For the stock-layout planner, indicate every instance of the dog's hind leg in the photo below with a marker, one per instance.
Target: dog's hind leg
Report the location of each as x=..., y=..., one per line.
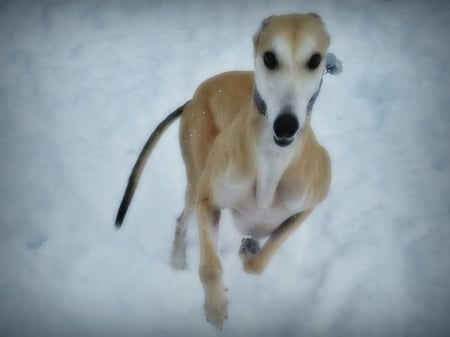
x=196, y=132
x=178, y=260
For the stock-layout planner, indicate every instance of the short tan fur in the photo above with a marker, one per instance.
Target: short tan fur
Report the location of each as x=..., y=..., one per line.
x=265, y=166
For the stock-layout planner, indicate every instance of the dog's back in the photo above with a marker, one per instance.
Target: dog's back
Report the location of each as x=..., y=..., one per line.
x=220, y=98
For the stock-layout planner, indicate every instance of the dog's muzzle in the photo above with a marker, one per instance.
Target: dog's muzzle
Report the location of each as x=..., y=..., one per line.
x=284, y=129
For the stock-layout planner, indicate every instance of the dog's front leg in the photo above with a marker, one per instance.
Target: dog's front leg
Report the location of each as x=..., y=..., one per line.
x=254, y=262
x=216, y=304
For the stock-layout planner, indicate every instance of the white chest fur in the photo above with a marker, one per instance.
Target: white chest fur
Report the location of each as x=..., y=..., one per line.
x=259, y=202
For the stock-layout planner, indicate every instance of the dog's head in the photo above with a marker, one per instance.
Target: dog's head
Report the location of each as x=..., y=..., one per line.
x=290, y=55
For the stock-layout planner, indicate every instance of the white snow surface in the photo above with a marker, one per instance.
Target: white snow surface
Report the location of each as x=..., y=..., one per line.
x=83, y=84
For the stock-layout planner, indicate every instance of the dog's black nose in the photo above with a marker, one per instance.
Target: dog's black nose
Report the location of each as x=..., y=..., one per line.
x=285, y=126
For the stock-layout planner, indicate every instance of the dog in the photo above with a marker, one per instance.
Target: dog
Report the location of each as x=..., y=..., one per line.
x=248, y=146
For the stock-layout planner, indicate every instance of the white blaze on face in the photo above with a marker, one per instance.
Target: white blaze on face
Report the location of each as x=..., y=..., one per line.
x=291, y=84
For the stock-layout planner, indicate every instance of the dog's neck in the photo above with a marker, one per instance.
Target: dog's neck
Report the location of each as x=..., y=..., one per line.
x=271, y=161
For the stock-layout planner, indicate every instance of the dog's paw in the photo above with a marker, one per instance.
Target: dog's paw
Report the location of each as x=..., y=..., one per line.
x=178, y=258
x=249, y=247
x=252, y=261
x=178, y=262
x=216, y=309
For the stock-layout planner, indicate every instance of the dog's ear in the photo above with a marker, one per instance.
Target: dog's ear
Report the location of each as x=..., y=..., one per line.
x=263, y=25
x=317, y=16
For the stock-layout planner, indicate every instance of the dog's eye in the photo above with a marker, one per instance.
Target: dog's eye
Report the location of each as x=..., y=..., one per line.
x=314, y=61
x=270, y=60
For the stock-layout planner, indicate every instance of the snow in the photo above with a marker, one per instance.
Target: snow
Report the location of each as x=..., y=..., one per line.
x=82, y=85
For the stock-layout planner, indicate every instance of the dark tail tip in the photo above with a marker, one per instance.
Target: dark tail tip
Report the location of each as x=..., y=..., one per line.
x=120, y=216
x=124, y=204
x=119, y=220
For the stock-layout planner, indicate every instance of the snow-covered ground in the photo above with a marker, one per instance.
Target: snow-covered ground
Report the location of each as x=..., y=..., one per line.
x=82, y=85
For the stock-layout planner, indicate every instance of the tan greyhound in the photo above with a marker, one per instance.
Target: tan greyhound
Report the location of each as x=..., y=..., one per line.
x=248, y=146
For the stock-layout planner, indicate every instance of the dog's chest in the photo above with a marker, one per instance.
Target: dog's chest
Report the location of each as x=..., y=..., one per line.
x=251, y=218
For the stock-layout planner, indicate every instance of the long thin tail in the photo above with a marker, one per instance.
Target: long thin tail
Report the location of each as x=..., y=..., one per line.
x=133, y=180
